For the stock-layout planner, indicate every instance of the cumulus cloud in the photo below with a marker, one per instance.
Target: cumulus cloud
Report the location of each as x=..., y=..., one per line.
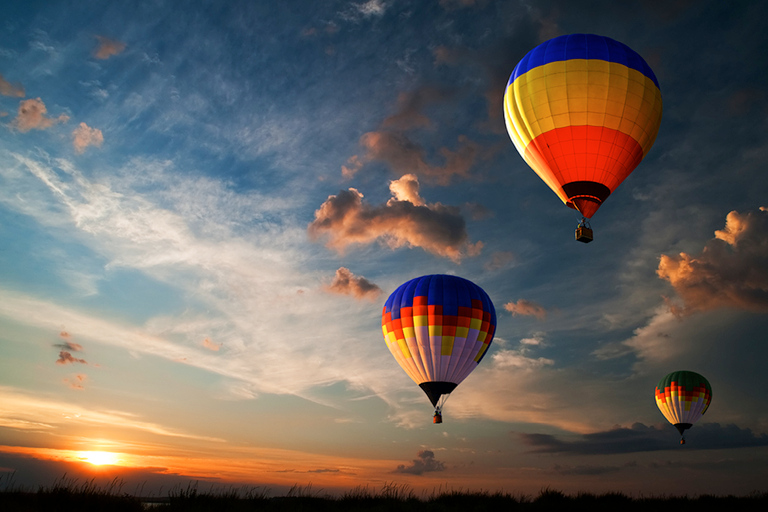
x=32, y=116
x=731, y=271
x=424, y=464
x=66, y=357
x=107, y=48
x=347, y=283
x=526, y=308
x=406, y=189
x=344, y=219
x=9, y=89
x=642, y=438
x=84, y=136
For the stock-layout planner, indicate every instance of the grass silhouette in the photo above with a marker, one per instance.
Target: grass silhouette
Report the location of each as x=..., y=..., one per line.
x=70, y=495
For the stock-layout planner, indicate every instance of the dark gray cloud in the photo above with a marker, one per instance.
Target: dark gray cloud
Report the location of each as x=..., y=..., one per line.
x=424, y=464
x=642, y=438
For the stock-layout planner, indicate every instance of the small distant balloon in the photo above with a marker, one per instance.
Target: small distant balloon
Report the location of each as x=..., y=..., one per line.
x=683, y=397
x=438, y=328
x=582, y=110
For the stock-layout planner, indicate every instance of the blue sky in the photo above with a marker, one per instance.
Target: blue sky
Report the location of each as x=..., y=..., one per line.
x=178, y=285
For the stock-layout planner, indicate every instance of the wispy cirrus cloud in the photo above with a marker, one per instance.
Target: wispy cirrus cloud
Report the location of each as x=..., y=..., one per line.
x=345, y=220
x=32, y=115
x=21, y=408
x=252, y=283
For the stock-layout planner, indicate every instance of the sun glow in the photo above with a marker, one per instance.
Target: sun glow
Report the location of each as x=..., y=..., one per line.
x=99, y=458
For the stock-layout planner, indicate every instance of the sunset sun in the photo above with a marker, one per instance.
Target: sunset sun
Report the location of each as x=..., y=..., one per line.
x=99, y=458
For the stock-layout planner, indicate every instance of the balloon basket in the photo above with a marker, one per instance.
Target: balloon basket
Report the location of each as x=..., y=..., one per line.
x=584, y=234
x=437, y=418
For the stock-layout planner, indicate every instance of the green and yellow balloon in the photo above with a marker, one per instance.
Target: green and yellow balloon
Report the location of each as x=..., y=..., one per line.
x=683, y=397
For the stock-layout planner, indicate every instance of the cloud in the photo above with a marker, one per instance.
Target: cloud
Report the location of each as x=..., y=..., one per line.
x=403, y=155
x=346, y=220
x=107, y=48
x=68, y=345
x=424, y=464
x=32, y=116
x=406, y=189
x=411, y=105
x=347, y=283
x=526, y=308
x=76, y=382
x=67, y=358
x=9, y=89
x=390, y=143
x=84, y=136
x=207, y=343
x=642, y=438
x=371, y=8
x=731, y=271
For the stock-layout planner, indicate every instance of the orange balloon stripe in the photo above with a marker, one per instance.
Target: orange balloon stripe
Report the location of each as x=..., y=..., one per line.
x=583, y=153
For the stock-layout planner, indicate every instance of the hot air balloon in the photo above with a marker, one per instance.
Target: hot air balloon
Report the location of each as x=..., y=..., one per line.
x=683, y=397
x=438, y=328
x=583, y=110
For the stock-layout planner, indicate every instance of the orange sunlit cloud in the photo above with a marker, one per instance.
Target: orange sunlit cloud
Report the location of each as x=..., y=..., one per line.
x=346, y=220
x=9, y=89
x=32, y=116
x=84, y=136
x=731, y=271
x=526, y=308
x=347, y=283
x=107, y=48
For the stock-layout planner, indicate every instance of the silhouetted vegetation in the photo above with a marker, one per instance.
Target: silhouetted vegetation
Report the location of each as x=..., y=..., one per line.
x=68, y=495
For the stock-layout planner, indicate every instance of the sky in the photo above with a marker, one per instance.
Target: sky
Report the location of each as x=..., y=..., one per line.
x=203, y=209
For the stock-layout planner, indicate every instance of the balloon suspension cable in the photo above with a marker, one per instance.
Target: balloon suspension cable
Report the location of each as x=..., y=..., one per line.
x=584, y=223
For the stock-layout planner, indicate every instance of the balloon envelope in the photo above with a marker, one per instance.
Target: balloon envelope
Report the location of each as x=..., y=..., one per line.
x=438, y=328
x=683, y=397
x=583, y=110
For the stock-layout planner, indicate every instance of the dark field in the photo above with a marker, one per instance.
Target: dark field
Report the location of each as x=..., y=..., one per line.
x=86, y=498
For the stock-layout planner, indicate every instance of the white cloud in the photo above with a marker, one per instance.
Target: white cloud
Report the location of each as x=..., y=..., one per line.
x=236, y=259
